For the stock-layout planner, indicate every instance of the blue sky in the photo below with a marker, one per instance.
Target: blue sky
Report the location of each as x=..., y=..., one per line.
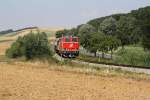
x=60, y=13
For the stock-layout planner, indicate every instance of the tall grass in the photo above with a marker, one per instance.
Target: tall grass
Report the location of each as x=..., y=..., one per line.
x=133, y=56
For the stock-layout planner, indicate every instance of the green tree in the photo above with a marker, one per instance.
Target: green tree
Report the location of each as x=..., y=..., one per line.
x=104, y=43
x=125, y=28
x=108, y=26
x=97, y=42
x=61, y=33
x=112, y=43
x=85, y=33
x=30, y=46
x=143, y=15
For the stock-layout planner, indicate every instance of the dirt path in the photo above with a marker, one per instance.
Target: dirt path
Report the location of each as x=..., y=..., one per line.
x=23, y=82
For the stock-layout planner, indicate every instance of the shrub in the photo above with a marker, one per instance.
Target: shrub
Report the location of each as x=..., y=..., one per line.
x=30, y=46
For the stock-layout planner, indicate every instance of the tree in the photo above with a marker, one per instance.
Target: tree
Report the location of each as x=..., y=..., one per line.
x=143, y=15
x=73, y=32
x=85, y=33
x=30, y=46
x=108, y=26
x=61, y=32
x=113, y=43
x=104, y=43
x=67, y=32
x=125, y=28
x=97, y=42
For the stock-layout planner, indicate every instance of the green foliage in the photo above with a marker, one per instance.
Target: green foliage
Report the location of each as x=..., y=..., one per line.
x=86, y=35
x=61, y=33
x=108, y=26
x=6, y=32
x=105, y=34
x=96, y=22
x=65, y=32
x=133, y=56
x=104, y=43
x=30, y=46
x=125, y=28
x=143, y=15
x=94, y=59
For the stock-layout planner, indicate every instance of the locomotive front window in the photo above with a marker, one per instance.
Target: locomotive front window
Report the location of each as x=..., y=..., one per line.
x=67, y=39
x=74, y=40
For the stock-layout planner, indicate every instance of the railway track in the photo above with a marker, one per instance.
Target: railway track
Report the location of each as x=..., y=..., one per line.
x=130, y=68
x=122, y=65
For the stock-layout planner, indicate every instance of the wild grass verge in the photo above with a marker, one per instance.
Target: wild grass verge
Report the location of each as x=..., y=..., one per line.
x=68, y=66
x=133, y=56
x=102, y=71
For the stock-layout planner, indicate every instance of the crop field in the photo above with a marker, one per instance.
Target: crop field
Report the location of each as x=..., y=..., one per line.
x=47, y=81
x=13, y=36
x=37, y=81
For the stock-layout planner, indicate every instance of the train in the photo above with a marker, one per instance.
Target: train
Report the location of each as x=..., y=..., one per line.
x=67, y=46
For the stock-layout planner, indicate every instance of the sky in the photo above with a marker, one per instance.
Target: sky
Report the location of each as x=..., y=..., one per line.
x=15, y=14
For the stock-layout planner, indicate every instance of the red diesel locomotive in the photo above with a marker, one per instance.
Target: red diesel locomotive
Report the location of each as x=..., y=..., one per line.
x=67, y=46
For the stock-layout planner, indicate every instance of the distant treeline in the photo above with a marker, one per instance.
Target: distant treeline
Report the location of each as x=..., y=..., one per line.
x=26, y=28
x=11, y=30
x=107, y=33
x=6, y=31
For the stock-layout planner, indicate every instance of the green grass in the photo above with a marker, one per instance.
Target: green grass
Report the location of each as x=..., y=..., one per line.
x=132, y=55
x=94, y=59
x=103, y=71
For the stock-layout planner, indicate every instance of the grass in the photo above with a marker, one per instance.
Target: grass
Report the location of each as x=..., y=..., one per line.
x=69, y=66
x=79, y=68
x=9, y=40
x=132, y=55
x=11, y=34
x=94, y=59
x=101, y=70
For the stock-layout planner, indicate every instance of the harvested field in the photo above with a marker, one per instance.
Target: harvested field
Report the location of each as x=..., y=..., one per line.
x=35, y=81
x=4, y=46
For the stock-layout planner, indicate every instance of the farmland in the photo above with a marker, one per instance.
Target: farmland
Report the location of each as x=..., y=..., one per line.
x=50, y=81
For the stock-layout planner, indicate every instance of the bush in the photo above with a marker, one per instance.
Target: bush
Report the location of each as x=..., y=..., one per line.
x=30, y=46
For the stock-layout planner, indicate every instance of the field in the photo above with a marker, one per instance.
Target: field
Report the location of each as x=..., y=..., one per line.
x=43, y=81
x=13, y=36
x=37, y=81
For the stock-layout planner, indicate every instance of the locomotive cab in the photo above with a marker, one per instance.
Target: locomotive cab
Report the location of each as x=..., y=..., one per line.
x=67, y=46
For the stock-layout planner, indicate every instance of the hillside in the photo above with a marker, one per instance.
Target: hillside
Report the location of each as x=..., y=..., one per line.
x=15, y=34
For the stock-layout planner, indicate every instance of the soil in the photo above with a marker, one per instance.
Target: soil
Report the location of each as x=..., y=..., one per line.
x=38, y=82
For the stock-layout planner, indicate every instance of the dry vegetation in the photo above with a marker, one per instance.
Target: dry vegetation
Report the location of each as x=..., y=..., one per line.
x=3, y=47
x=38, y=81
x=43, y=81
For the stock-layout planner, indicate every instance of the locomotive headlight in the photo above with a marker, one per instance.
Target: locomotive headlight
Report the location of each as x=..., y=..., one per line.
x=71, y=45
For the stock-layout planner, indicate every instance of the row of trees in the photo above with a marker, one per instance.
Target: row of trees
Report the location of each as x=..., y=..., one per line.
x=108, y=33
x=94, y=41
x=6, y=31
